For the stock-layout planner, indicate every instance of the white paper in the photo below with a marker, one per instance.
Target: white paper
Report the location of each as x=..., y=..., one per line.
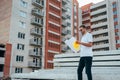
x=71, y=43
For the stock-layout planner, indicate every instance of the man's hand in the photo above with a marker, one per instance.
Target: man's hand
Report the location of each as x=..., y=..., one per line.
x=85, y=44
x=77, y=42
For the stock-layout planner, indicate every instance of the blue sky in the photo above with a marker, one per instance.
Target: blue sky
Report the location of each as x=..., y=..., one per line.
x=83, y=2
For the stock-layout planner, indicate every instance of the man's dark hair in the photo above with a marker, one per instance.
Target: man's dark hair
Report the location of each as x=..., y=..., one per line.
x=83, y=26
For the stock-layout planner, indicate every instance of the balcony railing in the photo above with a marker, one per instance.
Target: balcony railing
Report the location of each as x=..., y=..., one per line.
x=64, y=15
x=34, y=32
x=34, y=64
x=101, y=46
x=101, y=38
x=64, y=23
x=85, y=19
x=64, y=8
x=64, y=49
x=1, y=74
x=2, y=60
x=35, y=54
x=99, y=24
x=100, y=31
x=36, y=22
x=37, y=12
x=99, y=11
x=99, y=18
x=63, y=40
x=35, y=43
x=38, y=4
x=64, y=2
x=64, y=32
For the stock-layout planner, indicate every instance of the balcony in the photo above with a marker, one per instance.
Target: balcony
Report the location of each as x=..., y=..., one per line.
x=98, y=11
x=38, y=3
x=88, y=24
x=1, y=75
x=64, y=23
x=34, y=21
x=54, y=5
x=64, y=2
x=85, y=19
x=100, y=38
x=103, y=3
x=35, y=43
x=99, y=18
x=64, y=32
x=101, y=46
x=64, y=48
x=34, y=65
x=2, y=60
x=64, y=15
x=35, y=54
x=64, y=8
x=37, y=12
x=34, y=32
x=100, y=31
x=99, y=25
x=63, y=40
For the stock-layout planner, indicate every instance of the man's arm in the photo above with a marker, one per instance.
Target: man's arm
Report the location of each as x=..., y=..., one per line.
x=85, y=44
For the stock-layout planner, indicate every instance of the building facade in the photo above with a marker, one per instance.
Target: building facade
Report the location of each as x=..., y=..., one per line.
x=86, y=16
x=36, y=30
x=53, y=31
x=102, y=20
x=66, y=24
x=22, y=26
x=5, y=58
x=75, y=19
x=105, y=25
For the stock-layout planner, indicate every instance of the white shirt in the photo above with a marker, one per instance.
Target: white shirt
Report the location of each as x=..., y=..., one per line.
x=86, y=51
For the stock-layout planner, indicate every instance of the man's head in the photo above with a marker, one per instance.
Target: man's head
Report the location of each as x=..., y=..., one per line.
x=83, y=28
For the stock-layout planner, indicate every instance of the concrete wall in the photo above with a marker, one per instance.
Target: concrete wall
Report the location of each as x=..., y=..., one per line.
x=106, y=66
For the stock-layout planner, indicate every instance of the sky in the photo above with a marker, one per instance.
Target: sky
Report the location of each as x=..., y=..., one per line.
x=83, y=2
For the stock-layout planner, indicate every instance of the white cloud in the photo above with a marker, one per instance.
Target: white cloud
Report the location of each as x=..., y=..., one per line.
x=84, y=2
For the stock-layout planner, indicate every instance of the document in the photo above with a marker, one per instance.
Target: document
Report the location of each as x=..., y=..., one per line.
x=72, y=44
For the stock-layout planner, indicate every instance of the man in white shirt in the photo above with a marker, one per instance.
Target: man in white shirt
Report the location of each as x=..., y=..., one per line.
x=86, y=54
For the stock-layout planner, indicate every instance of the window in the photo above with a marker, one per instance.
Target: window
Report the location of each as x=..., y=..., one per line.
x=19, y=58
x=1, y=67
x=41, y=31
x=118, y=41
x=68, y=31
x=40, y=51
x=38, y=20
x=20, y=46
x=22, y=24
x=23, y=3
x=21, y=35
x=38, y=1
x=2, y=53
x=115, y=19
x=23, y=14
x=18, y=70
x=115, y=12
x=114, y=5
x=41, y=41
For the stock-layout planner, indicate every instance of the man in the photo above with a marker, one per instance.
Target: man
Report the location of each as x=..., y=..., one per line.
x=85, y=53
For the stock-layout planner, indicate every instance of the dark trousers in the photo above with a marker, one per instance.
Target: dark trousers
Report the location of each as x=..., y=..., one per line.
x=87, y=63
